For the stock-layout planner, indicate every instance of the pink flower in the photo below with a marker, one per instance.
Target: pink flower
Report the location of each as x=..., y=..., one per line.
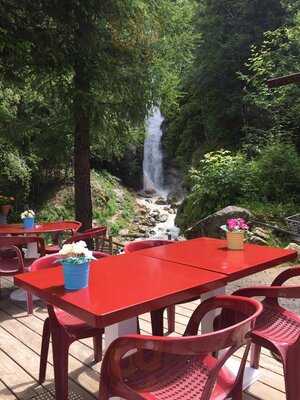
x=237, y=224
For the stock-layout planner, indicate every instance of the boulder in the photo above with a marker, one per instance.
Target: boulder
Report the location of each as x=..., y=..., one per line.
x=161, y=201
x=210, y=226
x=257, y=240
x=294, y=246
x=174, y=198
x=261, y=233
x=163, y=218
x=124, y=232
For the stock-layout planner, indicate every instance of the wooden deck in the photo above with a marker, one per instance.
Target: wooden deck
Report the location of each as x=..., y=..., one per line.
x=20, y=340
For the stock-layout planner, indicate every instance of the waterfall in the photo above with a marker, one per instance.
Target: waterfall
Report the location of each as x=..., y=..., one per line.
x=153, y=157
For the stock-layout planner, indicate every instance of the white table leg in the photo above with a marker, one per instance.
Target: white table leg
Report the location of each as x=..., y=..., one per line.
x=122, y=328
x=208, y=320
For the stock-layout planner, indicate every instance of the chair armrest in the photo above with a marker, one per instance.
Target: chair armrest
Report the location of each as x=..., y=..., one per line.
x=233, y=303
x=285, y=275
x=287, y=292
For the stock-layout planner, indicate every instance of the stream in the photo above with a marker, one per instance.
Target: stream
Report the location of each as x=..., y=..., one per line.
x=159, y=214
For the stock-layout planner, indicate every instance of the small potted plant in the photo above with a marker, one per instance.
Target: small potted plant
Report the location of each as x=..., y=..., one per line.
x=75, y=259
x=28, y=217
x=6, y=204
x=235, y=229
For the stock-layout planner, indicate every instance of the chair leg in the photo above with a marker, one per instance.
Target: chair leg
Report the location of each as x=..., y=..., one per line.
x=97, y=348
x=29, y=303
x=157, y=321
x=171, y=318
x=60, y=348
x=44, y=351
x=255, y=355
x=291, y=376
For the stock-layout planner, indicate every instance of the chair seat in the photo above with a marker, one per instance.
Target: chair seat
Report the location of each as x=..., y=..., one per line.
x=158, y=376
x=73, y=324
x=277, y=325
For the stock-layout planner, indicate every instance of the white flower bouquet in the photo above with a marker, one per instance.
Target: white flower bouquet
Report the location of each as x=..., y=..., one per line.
x=27, y=214
x=76, y=253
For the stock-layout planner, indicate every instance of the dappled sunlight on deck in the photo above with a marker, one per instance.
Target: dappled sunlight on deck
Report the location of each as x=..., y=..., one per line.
x=20, y=340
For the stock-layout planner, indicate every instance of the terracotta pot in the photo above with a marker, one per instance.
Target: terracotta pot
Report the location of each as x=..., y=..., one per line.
x=5, y=209
x=235, y=240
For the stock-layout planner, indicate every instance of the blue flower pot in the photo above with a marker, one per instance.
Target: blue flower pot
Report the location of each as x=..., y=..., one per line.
x=76, y=276
x=28, y=222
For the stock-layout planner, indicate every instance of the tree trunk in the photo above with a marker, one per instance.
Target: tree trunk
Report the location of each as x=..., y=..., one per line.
x=82, y=170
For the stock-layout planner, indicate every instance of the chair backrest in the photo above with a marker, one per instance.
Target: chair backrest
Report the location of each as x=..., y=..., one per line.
x=18, y=241
x=69, y=225
x=243, y=316
x=145, y=244
x=48, y=262
x=94, y=237
x=51, y=260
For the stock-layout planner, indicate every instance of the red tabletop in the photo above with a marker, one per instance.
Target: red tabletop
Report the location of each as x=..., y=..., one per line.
x=213, y=255
x=45, y=227
x=122, y=287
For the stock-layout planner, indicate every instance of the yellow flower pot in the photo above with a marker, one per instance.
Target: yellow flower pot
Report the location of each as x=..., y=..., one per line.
x=235, y=240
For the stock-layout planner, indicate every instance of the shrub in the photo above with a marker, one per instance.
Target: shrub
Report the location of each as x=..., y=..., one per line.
x=277, y=171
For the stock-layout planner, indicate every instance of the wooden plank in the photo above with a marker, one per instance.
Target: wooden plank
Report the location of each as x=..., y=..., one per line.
x=5, y=393
x=16, y=323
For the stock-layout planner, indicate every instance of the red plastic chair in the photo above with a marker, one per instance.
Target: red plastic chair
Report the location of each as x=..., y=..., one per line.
x=156, y=316
x=64, y=329
x=278, y=329
x=69, y=226
x=93, y=236
x=12, y=261
x=182, y=368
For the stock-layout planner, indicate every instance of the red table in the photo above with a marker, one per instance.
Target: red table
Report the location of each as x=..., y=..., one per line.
x=122, y=287
x=38, y=229
x=213, y=255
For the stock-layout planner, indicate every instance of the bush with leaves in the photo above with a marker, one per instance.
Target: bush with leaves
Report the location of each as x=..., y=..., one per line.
x=220, y=179
x=277, y=173
x=268, y=184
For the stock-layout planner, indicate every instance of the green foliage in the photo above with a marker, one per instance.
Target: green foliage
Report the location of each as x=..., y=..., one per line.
x=112, y=204
x=269, y=184
x=277, y=169
x=273, y=114
x=212, y=113
x=14, y=173
x=219, y=180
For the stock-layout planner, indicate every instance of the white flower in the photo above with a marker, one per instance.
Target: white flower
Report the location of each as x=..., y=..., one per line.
x=28, y=214
x=77, y=250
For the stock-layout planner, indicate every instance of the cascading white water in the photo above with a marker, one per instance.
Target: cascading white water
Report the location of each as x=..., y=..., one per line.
x=153, y=157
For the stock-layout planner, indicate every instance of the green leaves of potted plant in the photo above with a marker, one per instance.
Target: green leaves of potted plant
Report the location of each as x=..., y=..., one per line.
x=6, y=203
x=75, y=259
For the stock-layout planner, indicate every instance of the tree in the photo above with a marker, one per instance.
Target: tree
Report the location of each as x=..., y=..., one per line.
x=273, y=114
x=101, y=53
x=211, y=114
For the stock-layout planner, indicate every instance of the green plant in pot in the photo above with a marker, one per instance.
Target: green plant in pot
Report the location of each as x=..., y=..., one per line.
x=75, y=259
x=6, y=203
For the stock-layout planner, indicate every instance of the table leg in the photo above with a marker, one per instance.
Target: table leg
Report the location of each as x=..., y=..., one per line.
x=208, y=320
x=122, y=328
